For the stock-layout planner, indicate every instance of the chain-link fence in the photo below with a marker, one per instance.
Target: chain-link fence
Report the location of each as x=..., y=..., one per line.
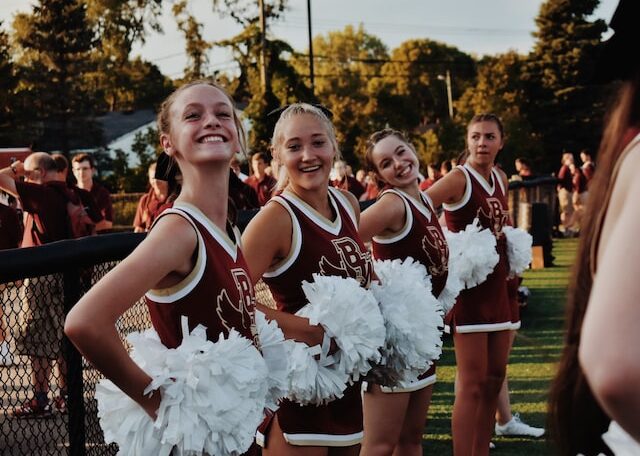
x=38, y=286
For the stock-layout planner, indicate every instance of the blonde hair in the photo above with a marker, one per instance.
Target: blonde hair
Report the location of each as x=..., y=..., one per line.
x=164, y=115
x=277, y=139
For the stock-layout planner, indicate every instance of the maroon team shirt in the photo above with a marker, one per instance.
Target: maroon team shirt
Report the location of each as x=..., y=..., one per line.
x=47, y=203
x=421, y=238
x=218, y=292
x=102, y=197
x=263, y=188
x=10, y=228
x=327, y=247
x=484, y=307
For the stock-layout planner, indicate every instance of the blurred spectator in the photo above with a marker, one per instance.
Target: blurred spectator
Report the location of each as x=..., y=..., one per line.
x=84, y=169
x=524, y=169
x=10, y=237
x=235, y=166
x=241, y=197
x=578, y=197
x=361, y=176
x=62, y=175
x=445, y=168
x=44, y=199
x=151, y=203
x=588, y=167
x=345, y=182
x=372, y=187
x=432, y=176
x=261, y=182
x=565, y=191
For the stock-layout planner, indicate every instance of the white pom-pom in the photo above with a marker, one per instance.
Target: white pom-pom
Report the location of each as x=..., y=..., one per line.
x=413, y=317
x=213, y=397
x=518, y=249
x=313, y=378
x=350, y=314
x=276, y=356
x=472, y=253
x=620, y=443
x=124, y=422
x=450, y=292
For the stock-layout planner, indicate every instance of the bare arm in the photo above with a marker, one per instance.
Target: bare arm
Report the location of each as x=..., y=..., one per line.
x=91, y=323
x=450, y=189
x=610, y=346
x=265, y=242
x=7, y=178
x=386, y=216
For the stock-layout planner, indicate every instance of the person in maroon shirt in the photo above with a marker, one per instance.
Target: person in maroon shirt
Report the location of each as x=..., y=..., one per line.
x=588, y=167
x=10, y=237
x=261, y=182
x=84, y=169
x=345, y=182
x=44, y=199
x=432, y=176
x=151, y=203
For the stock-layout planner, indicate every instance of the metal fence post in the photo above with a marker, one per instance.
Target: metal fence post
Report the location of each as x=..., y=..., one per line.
x=75, y=382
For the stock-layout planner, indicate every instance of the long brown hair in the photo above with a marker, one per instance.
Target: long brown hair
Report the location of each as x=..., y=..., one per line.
x=576, y=421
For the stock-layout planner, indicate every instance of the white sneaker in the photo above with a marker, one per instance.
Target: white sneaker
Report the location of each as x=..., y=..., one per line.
x=5, y=354
x=492, y=446
x=517, y=427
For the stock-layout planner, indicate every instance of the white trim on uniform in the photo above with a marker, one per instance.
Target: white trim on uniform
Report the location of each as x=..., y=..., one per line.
x=489, y=188
x=516, y=325
x=465, y=197
x=220, y=236
x=496, y=176
x=483, y=327
x=328, y=440
x=345, y=203
x=296, y=241
x=186, y=285
x=407, y=225
x=409, y=388
x=332, y=227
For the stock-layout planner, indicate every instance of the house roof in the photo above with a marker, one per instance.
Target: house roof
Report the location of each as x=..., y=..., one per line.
x=117, y=124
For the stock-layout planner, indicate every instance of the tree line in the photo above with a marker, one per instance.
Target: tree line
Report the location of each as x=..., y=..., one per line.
x=66, y=62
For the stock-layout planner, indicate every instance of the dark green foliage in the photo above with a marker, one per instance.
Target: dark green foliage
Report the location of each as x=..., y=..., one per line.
x=564, y=107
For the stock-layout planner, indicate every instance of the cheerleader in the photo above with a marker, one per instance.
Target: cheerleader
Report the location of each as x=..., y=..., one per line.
x=190, y=263
x=309, y=228
x=481, y=319
x=402, y=223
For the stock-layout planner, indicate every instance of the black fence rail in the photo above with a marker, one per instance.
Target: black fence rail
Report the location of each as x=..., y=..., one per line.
x=38, y=287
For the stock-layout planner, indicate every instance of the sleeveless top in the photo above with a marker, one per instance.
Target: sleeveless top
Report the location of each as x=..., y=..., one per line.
x=484, y=307
x=421, y=238
x=318, y=246
x=217, y=293
x=631, y=140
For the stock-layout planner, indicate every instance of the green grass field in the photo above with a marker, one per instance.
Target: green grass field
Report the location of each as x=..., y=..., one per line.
x=531, y=365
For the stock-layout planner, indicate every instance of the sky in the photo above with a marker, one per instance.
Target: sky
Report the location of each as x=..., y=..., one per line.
x=477, y=27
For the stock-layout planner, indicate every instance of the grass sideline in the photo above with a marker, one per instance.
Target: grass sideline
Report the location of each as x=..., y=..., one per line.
x=531, y=364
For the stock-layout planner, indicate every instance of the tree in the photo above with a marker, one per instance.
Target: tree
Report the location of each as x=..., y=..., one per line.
x=120, y=24
x=196, y=45
x=348, y=78
x=56, y=41
x=245, y=12
x=500, y=90
x=8, y=83
x=286, y=84
x=563, y=105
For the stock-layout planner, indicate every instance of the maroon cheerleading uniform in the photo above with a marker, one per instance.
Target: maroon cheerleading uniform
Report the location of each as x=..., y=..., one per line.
x=331, y=248
x=485, y=307
x=217, y=293
x=422, y=239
